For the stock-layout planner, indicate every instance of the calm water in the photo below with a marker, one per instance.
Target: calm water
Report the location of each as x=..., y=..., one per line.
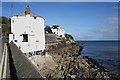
x=105, y=52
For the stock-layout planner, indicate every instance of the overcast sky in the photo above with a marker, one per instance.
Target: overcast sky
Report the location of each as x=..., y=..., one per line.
x=83, y=20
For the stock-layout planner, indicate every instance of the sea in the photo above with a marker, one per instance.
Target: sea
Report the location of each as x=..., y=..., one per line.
x=106, y=53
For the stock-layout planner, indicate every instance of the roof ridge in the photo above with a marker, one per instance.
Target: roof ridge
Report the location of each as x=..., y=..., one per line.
x=31, y=14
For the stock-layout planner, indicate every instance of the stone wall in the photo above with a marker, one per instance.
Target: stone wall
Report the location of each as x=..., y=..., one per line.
x=50, y=38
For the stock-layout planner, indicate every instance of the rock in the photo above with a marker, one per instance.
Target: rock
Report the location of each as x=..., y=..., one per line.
x=73, y=76
x=68, y=75
x=70, y=65
x=98, y=75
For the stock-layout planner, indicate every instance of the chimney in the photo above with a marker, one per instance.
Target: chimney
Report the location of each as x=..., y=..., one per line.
x=27, y=12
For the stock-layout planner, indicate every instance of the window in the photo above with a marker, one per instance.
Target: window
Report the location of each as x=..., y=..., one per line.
x=12, y=21
x=25, y=38
x=60, y=35
x=35, y=17
x=13, y=36
x=15, y=40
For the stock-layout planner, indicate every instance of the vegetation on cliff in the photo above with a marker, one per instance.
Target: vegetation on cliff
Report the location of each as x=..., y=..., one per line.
x=5, y=25
x=69, y=37
x=48, y=29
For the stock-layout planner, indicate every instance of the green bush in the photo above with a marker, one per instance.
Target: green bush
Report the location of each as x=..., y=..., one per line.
x=69, y=37
x=5, y=25
x=48, y=29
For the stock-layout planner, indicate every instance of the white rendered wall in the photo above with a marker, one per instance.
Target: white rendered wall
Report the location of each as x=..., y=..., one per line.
x=35, y=30
x=10, y=37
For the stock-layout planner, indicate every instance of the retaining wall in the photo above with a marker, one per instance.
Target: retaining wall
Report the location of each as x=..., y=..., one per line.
x=20, y=66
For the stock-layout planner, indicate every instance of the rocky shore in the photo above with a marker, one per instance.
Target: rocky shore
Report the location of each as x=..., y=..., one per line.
x=64, y=61
x=72, y=65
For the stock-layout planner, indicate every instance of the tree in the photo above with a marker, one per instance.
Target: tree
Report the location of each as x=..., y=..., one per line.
x=48, y=29
x=69, y=37
x=5, y=25
x=4, y=20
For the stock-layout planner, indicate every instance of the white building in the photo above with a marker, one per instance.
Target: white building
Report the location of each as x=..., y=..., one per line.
x=56, y=29
x=27, y=31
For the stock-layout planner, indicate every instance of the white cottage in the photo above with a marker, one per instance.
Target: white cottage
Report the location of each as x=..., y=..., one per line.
x=56, y=29
x=27, y=31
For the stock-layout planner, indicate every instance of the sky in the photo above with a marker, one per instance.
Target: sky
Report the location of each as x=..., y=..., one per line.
x=60, y=0
x=83, y=20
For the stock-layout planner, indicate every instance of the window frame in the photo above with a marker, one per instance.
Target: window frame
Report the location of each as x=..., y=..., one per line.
x=25, y=37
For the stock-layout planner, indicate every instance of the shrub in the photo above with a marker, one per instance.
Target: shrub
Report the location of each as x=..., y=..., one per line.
x=69, y=37
x=48, y=29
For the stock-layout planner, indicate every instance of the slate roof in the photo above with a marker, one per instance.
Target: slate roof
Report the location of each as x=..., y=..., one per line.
x=56, y=27
x=31, y=14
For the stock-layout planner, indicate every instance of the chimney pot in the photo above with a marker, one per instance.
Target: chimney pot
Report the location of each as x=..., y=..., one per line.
x=27, y=12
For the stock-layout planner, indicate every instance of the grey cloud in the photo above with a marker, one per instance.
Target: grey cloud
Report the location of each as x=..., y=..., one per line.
x=86, y=36
x=117, y=7
x=111, y=25
x=113, y=21
x=102, y=30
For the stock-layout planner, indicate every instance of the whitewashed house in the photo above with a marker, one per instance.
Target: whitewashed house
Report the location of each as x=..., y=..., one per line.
x=56, y=29
x=27, y=32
